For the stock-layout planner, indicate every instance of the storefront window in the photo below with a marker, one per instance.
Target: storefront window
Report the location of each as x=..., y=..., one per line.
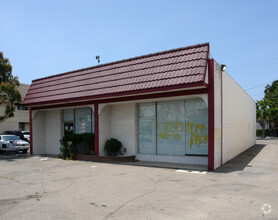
x=78, y=121
x=83, y=123
x=174, y=128
x=196, y=119
x=170, y=128
x=147, y=128
x=68, y=115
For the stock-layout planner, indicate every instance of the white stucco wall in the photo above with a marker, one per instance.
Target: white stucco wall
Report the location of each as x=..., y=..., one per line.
x=53, y=131
x=217, y=115
x=47, y=131
x=38, y=132
x=239, y=119
x=104, y=126
x=123, y=126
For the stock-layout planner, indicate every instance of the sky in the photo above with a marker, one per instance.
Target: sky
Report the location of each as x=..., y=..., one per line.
x=43, y=38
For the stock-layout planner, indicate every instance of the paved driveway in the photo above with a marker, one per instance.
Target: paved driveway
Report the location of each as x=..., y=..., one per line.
x=245, y=188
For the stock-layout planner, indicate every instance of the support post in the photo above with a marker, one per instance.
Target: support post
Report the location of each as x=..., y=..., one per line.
x=31, y=130
x=96, y=129
x=211, y=115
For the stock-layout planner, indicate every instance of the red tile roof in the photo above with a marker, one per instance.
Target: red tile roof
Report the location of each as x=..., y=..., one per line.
x=168, y=69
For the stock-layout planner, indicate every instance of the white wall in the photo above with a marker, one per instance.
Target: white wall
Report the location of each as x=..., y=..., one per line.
x=123, y=126
x=104, y=126
x=53, y=131
x=217, y=115
x=239, y=119
x=47, y=131
x=38, y=134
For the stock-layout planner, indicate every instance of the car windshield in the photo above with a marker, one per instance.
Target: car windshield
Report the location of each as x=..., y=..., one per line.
x=10, y=138
x=26, y=132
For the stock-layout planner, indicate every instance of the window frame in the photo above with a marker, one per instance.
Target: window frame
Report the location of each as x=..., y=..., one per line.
x=91, y=114
x=155, y=119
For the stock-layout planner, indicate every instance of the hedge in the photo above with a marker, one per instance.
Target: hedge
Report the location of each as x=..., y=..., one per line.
x=72, y=144
x=268, y=133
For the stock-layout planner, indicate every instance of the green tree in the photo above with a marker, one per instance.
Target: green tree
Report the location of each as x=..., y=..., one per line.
x=267, y=108
x=9, y=93
x=271, y=95
x=263, y=114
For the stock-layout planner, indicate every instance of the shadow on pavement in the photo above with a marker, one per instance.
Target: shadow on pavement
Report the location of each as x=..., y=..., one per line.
x=242, y=160
x=12, y=156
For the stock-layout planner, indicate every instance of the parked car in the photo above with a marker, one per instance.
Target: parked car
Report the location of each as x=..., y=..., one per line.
x=26, y=135
x=12, y=143
x=16, y=133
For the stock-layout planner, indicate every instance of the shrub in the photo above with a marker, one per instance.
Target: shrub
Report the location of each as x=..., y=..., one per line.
x=268, y=132
x=72, y=144
x=112, y=147
x=67, y=150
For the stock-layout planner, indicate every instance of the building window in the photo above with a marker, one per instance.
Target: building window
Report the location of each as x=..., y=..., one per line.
x=21, y=126
x=21, y=107
x=173, y=128
x=83, y=120
x=170, y=128
x=78, y=121
x=147, y=125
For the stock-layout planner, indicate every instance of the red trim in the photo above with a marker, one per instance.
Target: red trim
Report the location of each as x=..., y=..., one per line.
x=96, y=129
x=211, y=115
x=221, y=117
x=137, y=92
x=127, y=98
x=31, y=131
x=206, y=68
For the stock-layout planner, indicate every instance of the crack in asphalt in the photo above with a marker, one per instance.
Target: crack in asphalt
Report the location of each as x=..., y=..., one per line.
x=60, y=190
x=135, y=198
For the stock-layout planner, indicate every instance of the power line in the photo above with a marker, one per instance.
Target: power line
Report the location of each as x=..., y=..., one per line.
x=260, y=85
x=255, y=64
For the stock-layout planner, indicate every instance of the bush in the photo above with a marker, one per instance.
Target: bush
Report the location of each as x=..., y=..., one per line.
x=67, y=150
x=268, y=132
x=112, y=147
x=72, y=144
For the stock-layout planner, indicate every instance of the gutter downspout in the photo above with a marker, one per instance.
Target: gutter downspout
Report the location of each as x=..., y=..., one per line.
x=221, y=117
x=96, y=129
x=211, y=115
x=31, y=130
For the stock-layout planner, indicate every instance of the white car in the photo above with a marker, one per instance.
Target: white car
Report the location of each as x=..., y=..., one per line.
x=26, y=135
x=12, y=143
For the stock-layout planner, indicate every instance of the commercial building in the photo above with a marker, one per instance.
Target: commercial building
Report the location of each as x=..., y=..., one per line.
x=173, y=106
x=20, y=121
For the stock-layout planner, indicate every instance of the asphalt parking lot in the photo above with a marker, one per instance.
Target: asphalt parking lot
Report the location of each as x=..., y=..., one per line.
x=33, y=187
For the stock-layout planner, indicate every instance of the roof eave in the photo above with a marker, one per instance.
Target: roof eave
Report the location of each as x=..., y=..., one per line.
x=101, y=98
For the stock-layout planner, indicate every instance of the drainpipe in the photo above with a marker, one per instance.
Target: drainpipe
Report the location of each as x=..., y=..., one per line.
x=211, y=115
x=221, y=75
x=31, y=130
x=96, y=129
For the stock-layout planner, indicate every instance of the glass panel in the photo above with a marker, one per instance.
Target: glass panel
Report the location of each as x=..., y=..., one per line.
x=83, y=121
x=68, y=115
x=147, y=136
x=196, y=119
x=147, y=110
x=93, y=122
x=170, y=128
